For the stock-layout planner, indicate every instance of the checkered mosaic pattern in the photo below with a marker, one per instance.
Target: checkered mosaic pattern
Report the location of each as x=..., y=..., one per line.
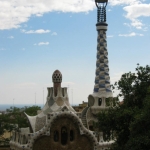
x=102, y=79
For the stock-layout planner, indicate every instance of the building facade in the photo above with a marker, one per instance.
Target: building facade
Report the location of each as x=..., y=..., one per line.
x=80, y=107
x=102, y=90
x=58, y=126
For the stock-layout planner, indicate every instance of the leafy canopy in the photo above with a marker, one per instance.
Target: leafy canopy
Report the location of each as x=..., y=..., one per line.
x=129, y=121
x=14, y=118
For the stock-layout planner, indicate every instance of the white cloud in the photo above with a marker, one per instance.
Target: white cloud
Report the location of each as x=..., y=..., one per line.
x=136, y=11
x=11, y=37
x=39, y=15
x=54, y=33
x=40, y=31
x=131, y=34
x=15, y=12
x=124, y=2
x=43, y=43
x=127, y=24
x=137, y=23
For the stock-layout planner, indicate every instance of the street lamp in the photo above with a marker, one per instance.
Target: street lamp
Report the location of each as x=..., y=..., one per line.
x=101, y=10
x=101, y=2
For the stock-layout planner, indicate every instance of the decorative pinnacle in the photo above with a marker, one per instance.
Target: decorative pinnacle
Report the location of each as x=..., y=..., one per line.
x=57, y=77
x=101, y=10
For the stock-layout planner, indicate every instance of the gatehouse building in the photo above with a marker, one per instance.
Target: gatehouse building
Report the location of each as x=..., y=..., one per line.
x=58, y=126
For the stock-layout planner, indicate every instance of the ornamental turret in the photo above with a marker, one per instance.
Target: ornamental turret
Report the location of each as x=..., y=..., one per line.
x=57, y=79
x=102, y=89
x=102, y=79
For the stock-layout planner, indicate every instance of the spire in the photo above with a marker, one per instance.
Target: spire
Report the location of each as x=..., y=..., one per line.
x=102, y=79
x=57, y=79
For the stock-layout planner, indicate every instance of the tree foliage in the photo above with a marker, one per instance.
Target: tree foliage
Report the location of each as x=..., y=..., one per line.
x=129, y=121
x=14, y=118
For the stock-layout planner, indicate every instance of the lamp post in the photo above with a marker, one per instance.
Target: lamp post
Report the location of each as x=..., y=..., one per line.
x=101, y=10
x=101, y=1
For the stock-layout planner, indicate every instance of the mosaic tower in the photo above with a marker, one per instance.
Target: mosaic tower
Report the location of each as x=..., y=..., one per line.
x=102, y=90
x=102, y=79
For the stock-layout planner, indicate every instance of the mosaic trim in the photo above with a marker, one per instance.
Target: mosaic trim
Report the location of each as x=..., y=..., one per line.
x=102, y=79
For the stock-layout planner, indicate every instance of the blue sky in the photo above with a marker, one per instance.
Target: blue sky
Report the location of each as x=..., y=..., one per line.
x=38, y=37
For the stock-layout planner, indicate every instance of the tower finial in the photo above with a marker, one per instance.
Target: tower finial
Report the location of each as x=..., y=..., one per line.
x=101, y=10
x=57, y=79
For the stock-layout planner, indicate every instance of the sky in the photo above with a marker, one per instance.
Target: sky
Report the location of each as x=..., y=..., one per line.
x=39, y=36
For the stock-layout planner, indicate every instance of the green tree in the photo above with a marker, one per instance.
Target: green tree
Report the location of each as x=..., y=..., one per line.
x=14, y=118
x=32, y=111
x=129, y=121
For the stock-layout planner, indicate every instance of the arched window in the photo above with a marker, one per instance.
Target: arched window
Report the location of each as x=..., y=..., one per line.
x=99, y=102
x=56, y=136
x=91, y=128
x=64, y=136
x=71, y=135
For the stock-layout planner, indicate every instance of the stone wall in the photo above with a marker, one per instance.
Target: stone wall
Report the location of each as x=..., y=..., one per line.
x=73, y=142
